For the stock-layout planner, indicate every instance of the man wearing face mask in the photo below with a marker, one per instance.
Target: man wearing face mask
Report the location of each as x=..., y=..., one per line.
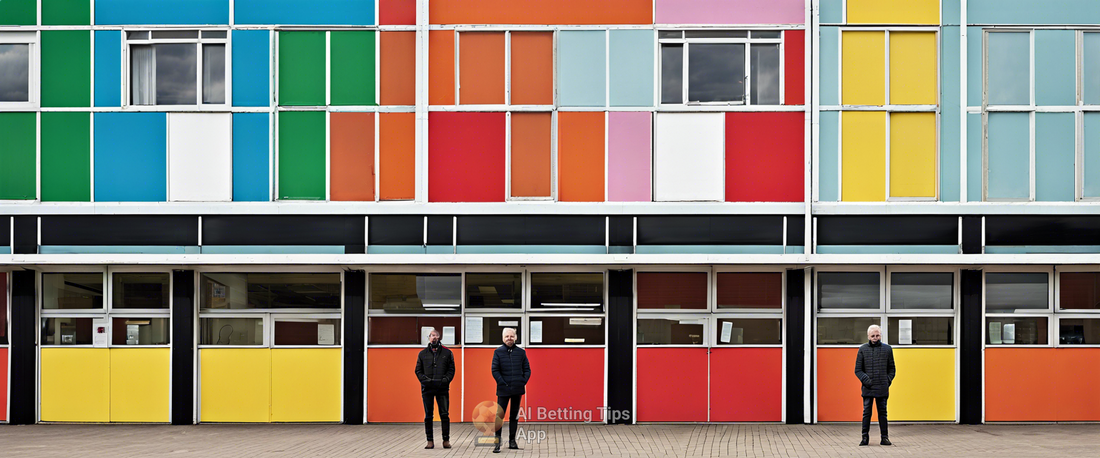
x=875, y=369
x=511, y=371
x=435, y=367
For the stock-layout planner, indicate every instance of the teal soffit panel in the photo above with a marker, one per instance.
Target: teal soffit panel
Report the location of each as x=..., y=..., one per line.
x=532, y=249
x=710, y=249
x=396, y=249
x=1040, y=249
x=273, y=249
x=888, y=249
x=5, y=250
x=116, y=249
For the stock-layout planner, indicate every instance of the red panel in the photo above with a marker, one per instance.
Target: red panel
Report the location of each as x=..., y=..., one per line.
x=466, y=157
x=794, y=71
x=396, y=12
x=3, y=382
x=672, y=384
x=764, y=154
x=549, y=399
x=740, y=395
x=393, y=392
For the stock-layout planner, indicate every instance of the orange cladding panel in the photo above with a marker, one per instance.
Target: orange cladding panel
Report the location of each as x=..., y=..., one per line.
x=581, y=156
x=480, y=384
x=541, y=12
x=1042, y=384
x=352, y=156
x=839, y=397
x=397, y=68
x=393, y=391
x=672, y=384
x=740, y=395
x=397, y=156
x=441, y=67
x=481, y=68
x=531, y=143
x=1076, y=384
x=532, y=68
x=549, y=399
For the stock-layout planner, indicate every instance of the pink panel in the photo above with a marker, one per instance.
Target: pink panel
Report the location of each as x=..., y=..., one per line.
x=628, y=157
x=730, y=11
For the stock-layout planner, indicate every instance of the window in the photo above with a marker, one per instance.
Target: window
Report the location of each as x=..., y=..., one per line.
x=567, y=291
x=19, y=78
x=919, y=308
x=921, y=290
x=489, y=329
x=494, y=291
x=562, y=330
x=138, y=311
x=844, y=330
x=235, y=291
x=848, y=290
x=177, y=67
x=749, y=331
x=412, y=330
x=67, y=291
x=232, y=331
x=3, y=308
x=1078, y=308
x=270, y=309
x=140, y=291
x=432, y=293
x=672, y=290
x=750, y=290
x=672, y=331
x=721, y=67
x=1018, y=308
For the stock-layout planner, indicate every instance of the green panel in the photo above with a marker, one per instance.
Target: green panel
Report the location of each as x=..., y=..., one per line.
x=302, y=155
x=66, y=158
x=18, y=12
x=66, y=68
x=352, y=56
x=302, y=68
x=17, y=156
x=66, y=12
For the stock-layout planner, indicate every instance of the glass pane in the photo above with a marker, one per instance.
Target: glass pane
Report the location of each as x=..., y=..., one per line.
x=142, y=76
x=494, y=291
x=765, y=74
x=1091, y=72
x=765, y=34
x=416, y=293
x=140, y=291
x=670, y=34
x=176, y=34
x=672, y=73
x=716, y=34
x=1079, y=291
x=232, y=331
x=139, y=331
x=270, y=291
x=213, y=34
x=307, y=331
x=176, y=67
x=672, y=290
x=1006, y=292
x=844, y=331
x=579, y=291
x=1016, y=331
x=492, y=329
x=567, y=331
x=409, y=330
x=922, y=290
x=137, y=35
x=1009, y=68
x=750, y=290
x=1079, y=331
x=750, y=331
x=66, y=331
x=213, y=74
x=666, y=331
x=922, y=330
x=848, y=290
x=716, y=72
x=72, y=291
x=15, y=80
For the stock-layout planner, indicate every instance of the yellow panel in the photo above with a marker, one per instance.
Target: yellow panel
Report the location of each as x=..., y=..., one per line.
x=864, y=68
x=235, y=384
x=140, y=387
x=913, y=68
x=305, y=384
x=912, y=154
x=76, y=384
x=863, y=156
x=893, y=11
x=924, y=388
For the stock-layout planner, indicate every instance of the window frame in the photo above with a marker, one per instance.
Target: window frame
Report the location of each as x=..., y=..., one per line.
x=199, y=41
x=527, y=324
x=1048, y=313
x=1060, y=313
x=704, y=317
x=881, y=310
x=1083, y=109
x=717, y=314
x=953, y=312
x=5, y=294
x=523, y=339
x=108, y=313
x=710, y=293
x=460, y=313
x=747, y=41
x=34, y=69
x=528, y=305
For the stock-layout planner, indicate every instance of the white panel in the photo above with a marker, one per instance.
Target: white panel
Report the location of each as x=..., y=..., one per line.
x=688, y=157
x=200, y=157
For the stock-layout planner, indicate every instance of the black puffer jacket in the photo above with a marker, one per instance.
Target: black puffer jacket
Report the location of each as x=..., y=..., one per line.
x=511, y=370
x=875, y=369
x=435, y=369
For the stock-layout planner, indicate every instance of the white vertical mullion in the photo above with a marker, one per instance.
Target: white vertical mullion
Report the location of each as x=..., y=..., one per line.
x=888, y=152
x=1031, y=156
x=507, y=155
x=377, y=156
x=458, y=74
x=554, y=155
x=606, y=173
x=421, y=109
x=328, y=68
x=1031, y=152
x=507, y=67
x=328, y=156
x=963, y=115
x=606, y=87
x=747, y=96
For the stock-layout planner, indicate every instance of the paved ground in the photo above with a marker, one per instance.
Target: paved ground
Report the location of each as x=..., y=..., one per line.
x=560, y=440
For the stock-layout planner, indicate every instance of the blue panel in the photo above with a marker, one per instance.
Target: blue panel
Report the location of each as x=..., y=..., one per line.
x=710, y=249
x=532, y=249
x=888, y=249
x=117, y=249
x=1092, y=155
x=131, y=157
x=829, y=77
x=1009, y=156
x=950, y=116
x=974, y=157
x=272, y=249
x=581, y=62
x=620, y=250
x=304, y=12
x=439, y=249
x=794, y=250
x=5, y=250
x=251, y=172
x=1055, y=141
x=396, y=249
x=1009, y=60
x=828, y=156
x=108, y=68
x=632, y=68
x=832, y=11
x=974, y=66
x=1055, y=67
x=1032, y=12
x=251, y=55
x=949, y=12
x=197, y=12
x=1042, y=249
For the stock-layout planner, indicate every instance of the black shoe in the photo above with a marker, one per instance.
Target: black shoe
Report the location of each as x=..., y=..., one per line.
x=512, y=445
x=864, y=441
x=885, y=441
x=496, y=448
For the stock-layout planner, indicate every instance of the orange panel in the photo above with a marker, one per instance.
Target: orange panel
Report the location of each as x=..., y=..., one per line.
x=548, y=399
x=532, y=68
x=393, y=392
x=672, y=384
x=481, y=68
x=1042, y=384
x=735, y=395
x=1075, y=384
x=398, y=68
x=352, y=156
x=541, y=12
x=839, y=397
x=531, y=154
x=397, y=156
x=441, y=67
x=581, y=156
x=480, y=385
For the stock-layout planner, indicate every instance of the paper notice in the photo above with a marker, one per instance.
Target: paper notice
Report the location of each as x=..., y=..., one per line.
x=995, y=332
x=424, y=331
x=536, y=331
x=905, y=332
x=474, y=332
x=326, y=334
x=448, y=335
x=1009, y=334
x=508, y=324
x=727, y=331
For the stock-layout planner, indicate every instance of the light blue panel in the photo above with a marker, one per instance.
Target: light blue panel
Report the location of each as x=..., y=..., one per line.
x=532, y=249
x=5, y=250
x=632, y=68
x=1042, y=249
x=131, y=157
x=581, y=62
x=272, y=249
x=191, y=12
x=251, y=55
x=1055, y=143
x=439, y=249
x=304, y=12
x=949, y=12
x=1009, y=66
x=1056, y=67
x=1033, y=12
x=1009, y=156
x=710, y=249
x=974, y=157
x=950, y=116
x=832, y=11
x=828, y=156
x=794, y=250
x=1091, y=71
x=888, y=249
x=829, y=77
x=251, y=172
x=620, y=250
x=116, y=249
x=108, y=68
x=395, y=249
x=1092, y=155
x=974, y=66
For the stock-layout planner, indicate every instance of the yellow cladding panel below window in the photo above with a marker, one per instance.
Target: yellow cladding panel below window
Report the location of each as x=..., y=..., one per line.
x=235, y=384
x=913, y=68
x=864, y=68
x=924, y=387
x=76, y=384
x=912, y=155
x=305, y=384
x=863, y=156
x=893, y=11
x=140, y=389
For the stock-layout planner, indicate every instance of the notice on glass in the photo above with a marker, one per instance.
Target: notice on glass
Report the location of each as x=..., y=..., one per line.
x=508, y=324
x=326, y=334
x=905, y=332
x=448, y=335
x=995, y=332
x=727, y=331
x=1009, y=334
x=424, y=332
x=474, y=332
x=536, y=331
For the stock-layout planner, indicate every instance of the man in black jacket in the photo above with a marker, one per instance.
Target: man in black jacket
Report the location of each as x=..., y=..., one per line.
x=875, y=369
x=435, y=368
x=511, y=371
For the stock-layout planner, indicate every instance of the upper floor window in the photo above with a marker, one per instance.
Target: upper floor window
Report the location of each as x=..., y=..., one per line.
x=177, y=67
x=17, y=69
x=721, y=67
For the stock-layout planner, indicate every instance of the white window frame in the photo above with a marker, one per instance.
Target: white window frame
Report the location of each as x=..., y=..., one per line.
x=711, y=285
x=536, y=315
x=749, y=313
x=44, y=313
x=1060, y=313
x=506, y=270
x=403, y=270
x=199, y=41
x=748, y=42
x=705, y=319
x=1047, y=313
x=523, y=340
x=33, y=70
x=924, y=313
x=528, y=305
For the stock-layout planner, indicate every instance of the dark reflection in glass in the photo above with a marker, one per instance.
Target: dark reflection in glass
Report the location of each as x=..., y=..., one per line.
x=1079, y=331
x=1079, y=291
x=15, y=73
x=750, y=331
x=765, y=74
x=140, y=291
x=666, y=331
x=848, y=290
x=560, y=330
x=1016, y=330
x=716, y=34
x=493, y=291
x=581, y=291
x=416, y=292
x=923, y=330
x=1009, y=291
x=213, y=74
x=670, y=34
x=765, y=34
x=176, y=71
x=844, y=331
x=66, y=331
x=672, y=73
x=139, y=331
x=260, y=290
x=72, y=291
x=921, y=290
x=716, y=73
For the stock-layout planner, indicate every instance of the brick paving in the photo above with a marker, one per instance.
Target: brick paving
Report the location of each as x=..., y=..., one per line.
x=748, y=440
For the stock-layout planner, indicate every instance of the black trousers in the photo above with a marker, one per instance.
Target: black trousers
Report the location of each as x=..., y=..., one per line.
x=513, y=419
x=443, y=399
x=882, y=424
